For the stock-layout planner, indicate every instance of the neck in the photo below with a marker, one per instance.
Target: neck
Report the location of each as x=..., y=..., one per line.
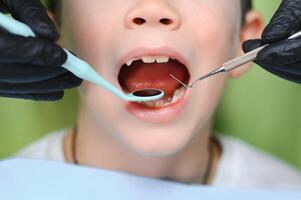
x=96, y=148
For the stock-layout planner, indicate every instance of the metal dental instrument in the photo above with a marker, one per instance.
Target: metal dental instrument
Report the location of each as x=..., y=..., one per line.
x=233, y=64
x=81, y=68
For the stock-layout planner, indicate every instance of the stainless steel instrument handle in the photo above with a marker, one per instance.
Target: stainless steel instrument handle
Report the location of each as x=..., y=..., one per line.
x=244, y=59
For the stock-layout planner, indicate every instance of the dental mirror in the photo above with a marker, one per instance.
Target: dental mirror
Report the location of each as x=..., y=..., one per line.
x=81, y=68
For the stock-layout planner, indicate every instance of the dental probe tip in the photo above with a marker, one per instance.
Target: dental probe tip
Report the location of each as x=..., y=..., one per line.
x=185, y=85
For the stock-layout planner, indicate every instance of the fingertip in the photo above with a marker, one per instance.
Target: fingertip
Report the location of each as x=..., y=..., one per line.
x=250, y=45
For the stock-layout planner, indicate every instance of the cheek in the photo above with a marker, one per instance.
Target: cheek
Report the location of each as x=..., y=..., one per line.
x=90, y=29
x=214, y=33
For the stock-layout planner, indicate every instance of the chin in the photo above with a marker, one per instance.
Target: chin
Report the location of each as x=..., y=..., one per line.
x=157, y=142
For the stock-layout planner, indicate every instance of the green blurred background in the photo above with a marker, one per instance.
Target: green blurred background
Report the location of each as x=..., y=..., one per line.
x=259, y=108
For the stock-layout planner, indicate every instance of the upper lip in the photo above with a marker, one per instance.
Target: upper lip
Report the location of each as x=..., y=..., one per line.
x=161, y=51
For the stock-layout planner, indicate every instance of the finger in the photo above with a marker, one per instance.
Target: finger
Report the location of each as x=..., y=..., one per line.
x=65, y=81
x=280, y=54
x=19, y=73
x=55, y=96
x=250, y=45
x=33, y=13
x=38, y=51
x=285, y=22
x=284, y=74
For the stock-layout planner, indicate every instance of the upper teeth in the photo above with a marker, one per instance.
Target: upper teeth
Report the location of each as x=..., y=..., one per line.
x=150, y=59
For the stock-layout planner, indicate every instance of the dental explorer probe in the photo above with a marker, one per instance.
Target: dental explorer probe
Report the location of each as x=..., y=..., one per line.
x=232, y=64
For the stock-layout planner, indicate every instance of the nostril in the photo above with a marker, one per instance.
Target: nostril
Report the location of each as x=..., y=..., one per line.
x=139, y=21
x=165, y=21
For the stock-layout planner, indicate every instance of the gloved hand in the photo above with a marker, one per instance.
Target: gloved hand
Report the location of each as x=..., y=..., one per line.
x=282, y=57
x=30, y=68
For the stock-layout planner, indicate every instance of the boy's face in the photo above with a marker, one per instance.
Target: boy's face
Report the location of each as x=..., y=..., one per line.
x=201, y=34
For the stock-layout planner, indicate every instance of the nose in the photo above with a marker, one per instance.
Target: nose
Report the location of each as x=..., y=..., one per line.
x=155, y=13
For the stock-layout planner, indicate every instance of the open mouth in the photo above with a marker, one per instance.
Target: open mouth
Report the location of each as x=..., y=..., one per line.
x=154, y=72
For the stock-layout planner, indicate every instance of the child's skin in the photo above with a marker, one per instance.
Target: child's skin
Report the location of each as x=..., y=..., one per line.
x=205, y=32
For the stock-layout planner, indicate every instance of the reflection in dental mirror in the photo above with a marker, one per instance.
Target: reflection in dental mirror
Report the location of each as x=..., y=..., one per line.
x=149, y=92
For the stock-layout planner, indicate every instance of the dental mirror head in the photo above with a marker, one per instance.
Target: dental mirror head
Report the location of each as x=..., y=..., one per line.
x=147, y=94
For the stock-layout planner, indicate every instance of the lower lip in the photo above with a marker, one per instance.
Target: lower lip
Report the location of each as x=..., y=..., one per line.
x=158, y=115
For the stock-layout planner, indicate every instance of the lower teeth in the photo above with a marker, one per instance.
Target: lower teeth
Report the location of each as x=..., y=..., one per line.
x=178, y=94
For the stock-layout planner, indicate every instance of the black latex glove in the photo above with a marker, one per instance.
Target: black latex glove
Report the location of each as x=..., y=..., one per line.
x=282, y=57
x=30, y=68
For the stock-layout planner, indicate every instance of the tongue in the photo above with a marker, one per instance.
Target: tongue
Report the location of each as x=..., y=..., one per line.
x=141, y=76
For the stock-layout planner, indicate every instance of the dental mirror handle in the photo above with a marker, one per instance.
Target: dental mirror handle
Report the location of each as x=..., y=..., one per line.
x=75, y=65
x=250, y=56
